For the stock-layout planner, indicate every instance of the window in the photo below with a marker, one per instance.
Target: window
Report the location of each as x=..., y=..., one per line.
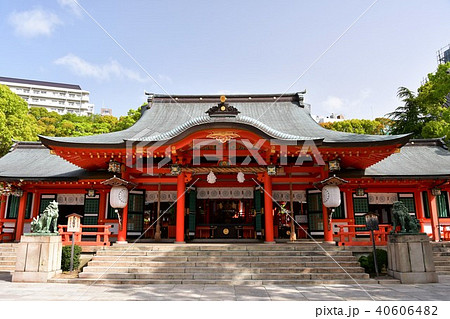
x=29, y=205
x=110, y=214
x=426, y=206
x=442, y=205
x=339, y=212
x=360, y=207
x=408, y=200
x=13, y=207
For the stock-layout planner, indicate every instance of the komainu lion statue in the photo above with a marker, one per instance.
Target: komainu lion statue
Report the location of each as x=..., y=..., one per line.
x=47, y=220
x=402, y=218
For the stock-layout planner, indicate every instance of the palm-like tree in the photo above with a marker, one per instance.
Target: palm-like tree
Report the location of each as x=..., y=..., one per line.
x=408, y=118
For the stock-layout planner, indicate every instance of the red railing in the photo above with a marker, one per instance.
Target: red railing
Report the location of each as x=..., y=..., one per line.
x=349, y=237
x=6, y=236
x=445, y=232
x=101, y=237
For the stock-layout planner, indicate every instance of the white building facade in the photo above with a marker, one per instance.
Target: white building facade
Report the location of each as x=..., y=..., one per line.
x=55, y=97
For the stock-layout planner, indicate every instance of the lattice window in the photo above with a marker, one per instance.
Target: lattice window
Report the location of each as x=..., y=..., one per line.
x=314, y=202
x=90, y=220
x=426, y=207
x=360, y=220
x=409, y=203
x=91, y=205
x=136, y=203
x=360, y=205
x=13, y=207
x=442, y=203
x=29, y=205
x=44, y=203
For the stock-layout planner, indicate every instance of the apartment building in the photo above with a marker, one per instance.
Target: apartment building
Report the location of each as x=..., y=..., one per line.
x=57, y=97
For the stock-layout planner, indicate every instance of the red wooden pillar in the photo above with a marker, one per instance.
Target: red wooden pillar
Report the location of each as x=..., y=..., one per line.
x=36, y=204
x=268, y=209
x=434, y=216
x=122, y=235
x=181, y=188
x=349, y=206
x=419, y=209
x=21, y=216
x=2, y=207
x=102, y=208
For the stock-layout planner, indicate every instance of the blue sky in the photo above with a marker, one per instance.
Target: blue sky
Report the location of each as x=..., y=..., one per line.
x=209, y=47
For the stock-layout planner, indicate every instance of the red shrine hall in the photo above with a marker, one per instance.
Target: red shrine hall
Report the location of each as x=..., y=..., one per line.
x=218, y=168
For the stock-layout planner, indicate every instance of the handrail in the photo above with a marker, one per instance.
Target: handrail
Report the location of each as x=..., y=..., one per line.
x=101, y=237
x=347, y=238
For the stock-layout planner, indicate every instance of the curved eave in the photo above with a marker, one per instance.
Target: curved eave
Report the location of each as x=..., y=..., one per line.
x=399, y=140
x=51, y=141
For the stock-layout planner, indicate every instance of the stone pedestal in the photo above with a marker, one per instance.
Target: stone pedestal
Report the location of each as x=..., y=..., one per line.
x=410, y=258
x=38, y=258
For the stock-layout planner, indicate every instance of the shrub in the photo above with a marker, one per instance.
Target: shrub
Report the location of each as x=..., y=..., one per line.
x=65, y=258
x=367, y=261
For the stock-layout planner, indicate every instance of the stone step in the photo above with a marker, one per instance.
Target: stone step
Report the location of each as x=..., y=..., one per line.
x=440, y=268
x=222, y=253
x=240, y=259
x=8, y=250
x=7, y=258
x=223, y=276
x=441, y=263
x=95, y=269
x=441, y=254
x=214, y=282
x=223, y=264
x=223, y=247
x=7, y=263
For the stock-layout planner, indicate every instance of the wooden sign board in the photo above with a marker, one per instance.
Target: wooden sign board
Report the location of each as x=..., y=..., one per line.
x=74, y=223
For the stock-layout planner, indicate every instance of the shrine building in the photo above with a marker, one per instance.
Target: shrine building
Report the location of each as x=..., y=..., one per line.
x=225, y=168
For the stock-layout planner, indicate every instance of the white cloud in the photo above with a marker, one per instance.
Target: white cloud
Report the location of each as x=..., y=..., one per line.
x=103, y=72
x=34, y=23
x=333, y=104
x=72, y=6
x=337, y=105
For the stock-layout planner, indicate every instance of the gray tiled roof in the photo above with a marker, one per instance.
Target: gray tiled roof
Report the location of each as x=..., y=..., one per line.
x=33, y=161
x=284, y=119
x=420, y=158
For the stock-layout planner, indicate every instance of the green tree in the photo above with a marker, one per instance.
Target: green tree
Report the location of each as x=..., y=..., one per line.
x=379, y=126
x=15, y=122
x=434, y=95
x=128, y=120
x=408, y=118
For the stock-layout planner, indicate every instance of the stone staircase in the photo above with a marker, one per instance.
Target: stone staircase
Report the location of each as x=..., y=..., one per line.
x=233, y=264
x=441, y=254
x=7, y=257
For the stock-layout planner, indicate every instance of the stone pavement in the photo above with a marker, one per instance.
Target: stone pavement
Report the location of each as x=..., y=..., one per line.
x=10, y=291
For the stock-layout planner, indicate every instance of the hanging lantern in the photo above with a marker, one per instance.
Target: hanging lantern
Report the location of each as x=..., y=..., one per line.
x=241, y=177
x=211, y=178
x=118, y=197
x=331, y=196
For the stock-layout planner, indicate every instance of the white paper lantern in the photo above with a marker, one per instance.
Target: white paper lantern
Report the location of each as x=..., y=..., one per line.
x=331, y=196
x=118, y=197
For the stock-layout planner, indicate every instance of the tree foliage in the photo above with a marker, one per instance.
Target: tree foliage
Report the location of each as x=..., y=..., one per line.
x=379, y=126
x=18, y=122
x=15, y=121
x=408, y=118
x=425, y=114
